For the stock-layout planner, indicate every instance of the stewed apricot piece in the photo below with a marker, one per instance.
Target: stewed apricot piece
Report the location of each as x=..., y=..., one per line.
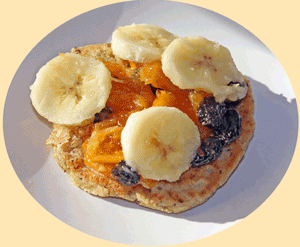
x=103, y=147
x=178, y=100
x=153, y=74
x=127, y=96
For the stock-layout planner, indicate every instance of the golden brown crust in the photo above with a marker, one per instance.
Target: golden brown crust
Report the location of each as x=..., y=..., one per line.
x=194, y=187
x=98, y=51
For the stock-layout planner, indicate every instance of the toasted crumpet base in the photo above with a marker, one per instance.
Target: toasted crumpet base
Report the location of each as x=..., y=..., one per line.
x=194, y=187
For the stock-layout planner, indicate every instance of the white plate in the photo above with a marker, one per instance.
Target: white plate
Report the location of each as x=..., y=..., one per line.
x=261, y=170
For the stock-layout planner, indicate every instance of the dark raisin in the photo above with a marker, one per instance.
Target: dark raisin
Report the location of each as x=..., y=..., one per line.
x=231, y=127
x=231, y=104
x=104, y=114
x=125, y=175
x=211, y=149
x=210, y=113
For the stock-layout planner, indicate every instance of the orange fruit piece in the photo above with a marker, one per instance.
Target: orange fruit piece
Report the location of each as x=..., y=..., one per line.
x=178, y=100
x=152, y=73
x=103, y=147
x=128, y=96
x=116, y=70
x=124, y=70
x=196, y=97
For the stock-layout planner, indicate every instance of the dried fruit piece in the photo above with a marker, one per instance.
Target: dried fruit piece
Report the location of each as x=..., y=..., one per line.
x=211, y=113
x=211, y=149
x=125, y=175
x=231, y=127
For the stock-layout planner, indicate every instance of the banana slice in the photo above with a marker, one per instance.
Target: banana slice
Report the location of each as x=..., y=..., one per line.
x=198, y=63
x=160, y=142
x=142, y=43
x=70, y=89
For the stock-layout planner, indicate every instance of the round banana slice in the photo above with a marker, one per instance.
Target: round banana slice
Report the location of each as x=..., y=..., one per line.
x=142, y=43
x=160, y=142
x=198, y=63
x=70, y=89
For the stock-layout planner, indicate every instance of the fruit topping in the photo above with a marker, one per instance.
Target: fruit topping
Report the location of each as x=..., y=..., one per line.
x=125, y=175
x=104, y=114
x=151, y=73
x=128, y=96
x=142, y=43
x=226, y=124
x=230, y=128
x=211, y=149
x=103, y=147
x=211, y=113
x=160, y=142
x=242, y=89
x=198, y=63
x=70, y=89
x=231, y=104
